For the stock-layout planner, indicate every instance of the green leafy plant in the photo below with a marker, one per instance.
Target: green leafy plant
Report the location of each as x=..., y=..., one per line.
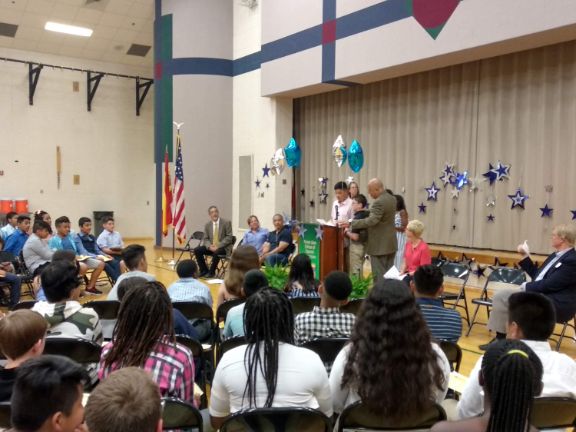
x=277, y=276
x=360, y=286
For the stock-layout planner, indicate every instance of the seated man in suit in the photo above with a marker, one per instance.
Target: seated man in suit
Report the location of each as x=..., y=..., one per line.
x=279, y=245
x=218, y=240
x=556, y=279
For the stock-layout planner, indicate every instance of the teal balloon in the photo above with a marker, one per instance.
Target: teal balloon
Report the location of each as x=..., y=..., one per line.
x=355, y=156
x=293, y=154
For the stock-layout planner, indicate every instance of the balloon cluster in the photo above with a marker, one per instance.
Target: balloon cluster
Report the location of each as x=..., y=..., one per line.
x=289, y=155
x=354, y=154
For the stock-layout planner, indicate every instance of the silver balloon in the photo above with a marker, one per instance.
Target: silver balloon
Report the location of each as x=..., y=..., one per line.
x=339, y=151
x=278, y=162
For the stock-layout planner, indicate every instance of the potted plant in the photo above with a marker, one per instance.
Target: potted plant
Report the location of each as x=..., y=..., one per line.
x=277, y=276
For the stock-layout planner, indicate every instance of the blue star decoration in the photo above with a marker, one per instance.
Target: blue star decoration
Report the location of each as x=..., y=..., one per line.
x=432, y=192
x=490, y=174
x=447, y=174
x=422, y=208
x=257, y=183
x=497, y=263
x=546, y=211
x=323, y=180
x=319, y=232
x=265, y=171
x=479, y=271
x=323, y=196
x=490, y=217
x=502, y=171
x=518, y=199
x=573, y=214
x=461, y=180
x=312, y=203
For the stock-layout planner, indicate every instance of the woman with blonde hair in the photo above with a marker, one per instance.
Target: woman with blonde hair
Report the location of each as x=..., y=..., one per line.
x=243, y=258
x=416, y=251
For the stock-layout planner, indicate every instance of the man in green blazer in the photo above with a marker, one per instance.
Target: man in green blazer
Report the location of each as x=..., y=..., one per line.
x=381, y=244
x=218, y=240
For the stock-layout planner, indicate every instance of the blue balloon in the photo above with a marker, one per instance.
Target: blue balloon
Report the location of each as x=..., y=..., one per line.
x=293, y=154
x=355, y=156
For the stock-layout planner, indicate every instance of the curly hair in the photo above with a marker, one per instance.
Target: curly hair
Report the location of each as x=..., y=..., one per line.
x=243, y=258
x=391, y=363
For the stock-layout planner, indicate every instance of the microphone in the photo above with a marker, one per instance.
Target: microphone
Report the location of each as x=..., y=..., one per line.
x=336, y=208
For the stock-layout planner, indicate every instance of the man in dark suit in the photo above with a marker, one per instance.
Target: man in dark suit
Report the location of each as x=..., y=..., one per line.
x=218, y=240
x=556, y=279
x=381, y=244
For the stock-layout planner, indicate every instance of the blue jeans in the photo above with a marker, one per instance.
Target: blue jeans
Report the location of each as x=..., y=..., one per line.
x=15, y=284
x=112, y=269
x=275, y=259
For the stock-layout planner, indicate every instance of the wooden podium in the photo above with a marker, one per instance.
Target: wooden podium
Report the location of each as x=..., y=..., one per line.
x=332, y=250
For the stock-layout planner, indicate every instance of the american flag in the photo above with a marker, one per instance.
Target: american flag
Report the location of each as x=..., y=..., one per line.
x=179, y=205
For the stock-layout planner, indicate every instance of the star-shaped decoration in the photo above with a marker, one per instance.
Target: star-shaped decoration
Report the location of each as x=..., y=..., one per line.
x=453, y=227
x=518, y=199
x=422, y=208
x=454, y=192
x=447, y=174
x=491, y=201
x=573, y=214
x=490, y=174
x=432, y=192
x=466, y=261
x=312, y=203
x=546, y=211
x=267, y=185
x=479, y=271
x=319, y=232
x=497, y=263
x=323, y=180
x=502, y=171
x=265, y=171
x=490, y=217
x=461, y=180
x=302, y=192
x=323, y=197
x=257, y=183
x=302, y=231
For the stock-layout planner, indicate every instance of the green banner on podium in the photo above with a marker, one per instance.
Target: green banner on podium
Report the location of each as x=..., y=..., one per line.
x=309, y=244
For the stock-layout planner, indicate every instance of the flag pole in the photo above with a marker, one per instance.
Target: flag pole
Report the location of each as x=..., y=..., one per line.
x=172, y=262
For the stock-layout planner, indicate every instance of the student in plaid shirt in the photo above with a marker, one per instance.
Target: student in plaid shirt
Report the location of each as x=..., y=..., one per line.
x=326, y=320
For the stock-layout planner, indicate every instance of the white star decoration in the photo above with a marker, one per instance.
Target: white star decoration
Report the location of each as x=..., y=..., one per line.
x=319, y=232
x=302, y=231
x=455, y=193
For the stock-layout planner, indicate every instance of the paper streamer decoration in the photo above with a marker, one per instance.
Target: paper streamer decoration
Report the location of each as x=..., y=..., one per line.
x=355, y=156
x=339, y=151
x=293, y=154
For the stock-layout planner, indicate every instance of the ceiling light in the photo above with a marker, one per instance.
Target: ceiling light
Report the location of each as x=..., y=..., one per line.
x=68, y=29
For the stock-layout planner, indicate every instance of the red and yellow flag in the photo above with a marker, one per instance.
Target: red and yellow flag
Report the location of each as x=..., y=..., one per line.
x=166, y=197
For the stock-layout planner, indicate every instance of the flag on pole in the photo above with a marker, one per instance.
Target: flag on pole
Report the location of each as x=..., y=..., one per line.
x=179, y=203
x=166, y=197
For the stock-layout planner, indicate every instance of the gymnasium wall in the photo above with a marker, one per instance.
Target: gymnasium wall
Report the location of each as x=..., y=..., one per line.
x=110, y=148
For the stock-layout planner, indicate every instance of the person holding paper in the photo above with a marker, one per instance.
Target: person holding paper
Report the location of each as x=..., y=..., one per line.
x=342, y=205
x=555, y=278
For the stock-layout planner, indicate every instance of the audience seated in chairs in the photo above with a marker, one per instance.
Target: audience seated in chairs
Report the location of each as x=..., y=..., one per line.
x=36, y=252
x=262, y=374
x=41, y=215
x=134, y=257
x=218, y=240
x=301, y=281
x=188, y=288
x=110, y=241
x=279, y=244
x=181, y=324
x=391, y=364
x=256, y=236
x=511, y=377
x=15, y=241
x=326, y=320
x=444, y=323
x=47, y=396
x=60, y=255
x=128, y=400
x=86, y=245
x=63, y=240
x=531, y=318
x=254, y=281
x=65, y=315
x=22, y=335
x=9, y=277
x=244, y=258
x=10, y=227
x=144, y=337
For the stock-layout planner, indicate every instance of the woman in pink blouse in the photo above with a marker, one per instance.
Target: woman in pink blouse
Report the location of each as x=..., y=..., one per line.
x=416, y=252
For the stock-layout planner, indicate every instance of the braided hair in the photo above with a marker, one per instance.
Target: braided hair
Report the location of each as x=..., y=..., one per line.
x=512, y=375
x=268, y=320
x=145, y=316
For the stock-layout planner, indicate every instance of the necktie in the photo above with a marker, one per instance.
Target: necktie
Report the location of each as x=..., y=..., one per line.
x=545, y=270
x=215, y=238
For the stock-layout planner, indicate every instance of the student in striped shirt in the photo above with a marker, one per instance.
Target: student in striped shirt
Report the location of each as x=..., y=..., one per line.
x=427, y=286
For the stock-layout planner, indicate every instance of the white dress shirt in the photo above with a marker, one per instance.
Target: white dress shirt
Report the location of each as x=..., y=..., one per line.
x=559, y=379
x=345, y=212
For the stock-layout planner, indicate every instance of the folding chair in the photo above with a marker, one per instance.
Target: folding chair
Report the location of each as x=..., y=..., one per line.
x=222, y=313
x=107, y=310
x=278, y=420
x=353, y=306
x=326, y=348
x=227, y=345
x=357, y=416
x=5, y=413
x=304, y=304
x=80, y=350
x=453, y=354
x=504, y=275
x=460, y=273
x=224, y=261
x=198, y=353
x=179, y=414
x=25, y=274
x=565, y=326
x=553, y=413
x=197, y=236
x=28, y=304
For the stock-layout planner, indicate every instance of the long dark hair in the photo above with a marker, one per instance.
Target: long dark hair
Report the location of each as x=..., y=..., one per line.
x=301, y=271
x=391, y=363
x=145, y=316
x=268, y=320
x=400, y=205
x=512, y=375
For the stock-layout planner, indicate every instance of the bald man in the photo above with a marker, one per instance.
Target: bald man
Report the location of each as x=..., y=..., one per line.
x=381, y=244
